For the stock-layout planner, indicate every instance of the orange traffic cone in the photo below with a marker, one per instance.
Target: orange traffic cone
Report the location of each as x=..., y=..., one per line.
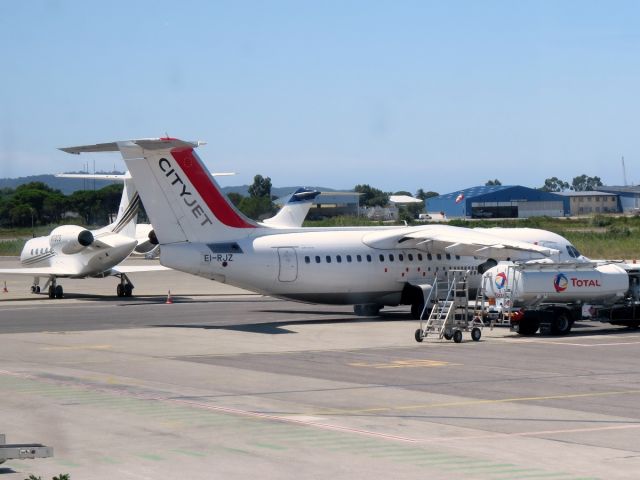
x=169, y=298
x=5, y=288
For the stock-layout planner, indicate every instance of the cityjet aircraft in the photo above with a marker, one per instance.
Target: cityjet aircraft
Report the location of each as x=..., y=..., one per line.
x=71, y=251
x=200, y=232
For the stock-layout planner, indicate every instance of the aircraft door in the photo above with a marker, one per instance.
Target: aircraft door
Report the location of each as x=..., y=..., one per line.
x=288, y=264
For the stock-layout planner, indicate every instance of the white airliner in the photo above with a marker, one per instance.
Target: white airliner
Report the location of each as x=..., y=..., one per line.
x=200, y=232
x=71, y=251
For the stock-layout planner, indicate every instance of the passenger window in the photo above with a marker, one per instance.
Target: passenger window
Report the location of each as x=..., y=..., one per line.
x=328, y=258
x=368, y=258
x=420, y=256
x=448, y=256
x=338, y=259
x=457, y=257
x=348, y=258
x=401, y=257
x=429, y=257
x=307, y=259
x=410, y=256
x=359, y=258
x=391, y=257
x=381, y=257
x=317, y=259
x=439, y=256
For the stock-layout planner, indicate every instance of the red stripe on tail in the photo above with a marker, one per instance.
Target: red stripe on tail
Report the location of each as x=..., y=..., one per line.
x=201, y=180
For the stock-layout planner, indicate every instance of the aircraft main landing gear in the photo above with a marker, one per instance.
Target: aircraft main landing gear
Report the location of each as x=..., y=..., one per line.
x=125, y=287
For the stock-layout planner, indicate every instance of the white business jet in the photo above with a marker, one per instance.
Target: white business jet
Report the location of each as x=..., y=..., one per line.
x=200, y=232
x=71, y=251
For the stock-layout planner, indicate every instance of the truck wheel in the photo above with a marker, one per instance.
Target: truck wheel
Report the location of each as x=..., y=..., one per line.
x=419, y=336
x=528, y=326
x=457, y=336
x=562, y=323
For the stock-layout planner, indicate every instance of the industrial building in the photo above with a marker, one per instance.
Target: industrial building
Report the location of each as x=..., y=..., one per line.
x=590, y=202
x=499, y=201
x=628, y=197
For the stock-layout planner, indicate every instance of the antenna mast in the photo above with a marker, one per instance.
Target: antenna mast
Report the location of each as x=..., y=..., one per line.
x=624, y=172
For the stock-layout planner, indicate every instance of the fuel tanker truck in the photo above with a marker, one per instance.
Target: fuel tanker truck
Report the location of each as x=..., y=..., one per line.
x=552, y=296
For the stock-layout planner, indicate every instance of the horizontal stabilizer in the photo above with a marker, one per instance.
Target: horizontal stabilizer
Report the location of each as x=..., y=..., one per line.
x=145, y=143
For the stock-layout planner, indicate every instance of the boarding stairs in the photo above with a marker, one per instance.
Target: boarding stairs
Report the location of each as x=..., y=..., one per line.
x=449, y=315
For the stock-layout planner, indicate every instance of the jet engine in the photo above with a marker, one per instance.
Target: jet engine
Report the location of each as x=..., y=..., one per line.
x=70, y=239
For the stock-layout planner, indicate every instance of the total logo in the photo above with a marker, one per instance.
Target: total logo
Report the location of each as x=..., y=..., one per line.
x=560, y=282
x=501, y=280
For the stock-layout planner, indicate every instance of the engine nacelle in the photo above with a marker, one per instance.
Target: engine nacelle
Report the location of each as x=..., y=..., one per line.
x=70, y=239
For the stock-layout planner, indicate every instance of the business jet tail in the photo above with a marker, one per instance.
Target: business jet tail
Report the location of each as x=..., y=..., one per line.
x=183, y=201
x=125, y=221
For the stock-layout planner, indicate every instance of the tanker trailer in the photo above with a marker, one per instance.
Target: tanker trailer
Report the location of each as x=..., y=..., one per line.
x=550, y=295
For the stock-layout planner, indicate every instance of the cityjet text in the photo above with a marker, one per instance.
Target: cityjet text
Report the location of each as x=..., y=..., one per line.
x=187, y=197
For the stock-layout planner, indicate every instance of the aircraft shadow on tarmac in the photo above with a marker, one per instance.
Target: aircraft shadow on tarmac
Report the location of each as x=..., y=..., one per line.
x=275, y=328
x=6, y=470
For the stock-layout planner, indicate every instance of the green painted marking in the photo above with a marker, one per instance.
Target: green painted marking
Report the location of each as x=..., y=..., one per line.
x=150, y=456
x=270, y=446
x=544, y=475
x=109, y=460
x=190, y=453
x=512, y=471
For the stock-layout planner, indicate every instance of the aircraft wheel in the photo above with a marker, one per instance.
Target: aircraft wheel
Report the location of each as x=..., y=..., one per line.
x=448, y=335
x=357, y=309
x=33, y=289
x=37, y=288
x=52, y=291
x=457, y=336
x=419, y=335
x=120, y=290
x=59, y=292
x=476, y=333
x=128, y=290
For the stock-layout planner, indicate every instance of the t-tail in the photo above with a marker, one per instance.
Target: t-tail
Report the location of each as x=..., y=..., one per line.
x=125, y=221
x=183, y=201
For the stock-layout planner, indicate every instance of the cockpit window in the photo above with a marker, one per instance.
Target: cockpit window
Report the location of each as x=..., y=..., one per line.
x=573, y=252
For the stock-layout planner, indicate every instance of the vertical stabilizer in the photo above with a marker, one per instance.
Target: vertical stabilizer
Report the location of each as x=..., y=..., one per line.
x=183, y=201
x=125, y=222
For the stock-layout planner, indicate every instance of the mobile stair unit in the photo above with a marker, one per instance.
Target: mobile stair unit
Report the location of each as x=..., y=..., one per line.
x=449, y=310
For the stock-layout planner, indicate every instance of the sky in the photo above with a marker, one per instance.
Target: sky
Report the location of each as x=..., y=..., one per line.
x=399, y=95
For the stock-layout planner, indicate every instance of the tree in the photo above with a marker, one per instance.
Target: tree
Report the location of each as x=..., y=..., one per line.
x=422, y=195
x=372, y=197
x=554, y=184
x=491, y=183
x=261, y=187
x=235, y=198
x=257, y=208
x=584, y=183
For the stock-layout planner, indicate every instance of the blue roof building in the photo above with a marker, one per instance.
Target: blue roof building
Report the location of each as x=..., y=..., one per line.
x=499, y=201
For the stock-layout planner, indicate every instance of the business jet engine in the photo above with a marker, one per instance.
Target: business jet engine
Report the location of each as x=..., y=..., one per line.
x=70, y=239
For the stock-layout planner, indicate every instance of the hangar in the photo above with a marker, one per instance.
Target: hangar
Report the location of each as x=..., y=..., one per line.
x=628, y=197
x=499, y=201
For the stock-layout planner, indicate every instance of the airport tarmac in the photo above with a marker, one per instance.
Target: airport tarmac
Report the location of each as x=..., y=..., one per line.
x=228, y=384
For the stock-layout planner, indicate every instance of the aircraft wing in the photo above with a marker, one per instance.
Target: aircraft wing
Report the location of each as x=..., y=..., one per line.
x=36, y=272
x=458, y=241
x=138, y=268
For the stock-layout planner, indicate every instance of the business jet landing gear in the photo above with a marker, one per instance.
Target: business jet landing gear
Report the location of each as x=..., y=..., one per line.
x=367, y=310
x=125, y=287
x=55, y=290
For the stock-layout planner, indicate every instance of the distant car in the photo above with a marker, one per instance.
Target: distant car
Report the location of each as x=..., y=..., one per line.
x=424, y=216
